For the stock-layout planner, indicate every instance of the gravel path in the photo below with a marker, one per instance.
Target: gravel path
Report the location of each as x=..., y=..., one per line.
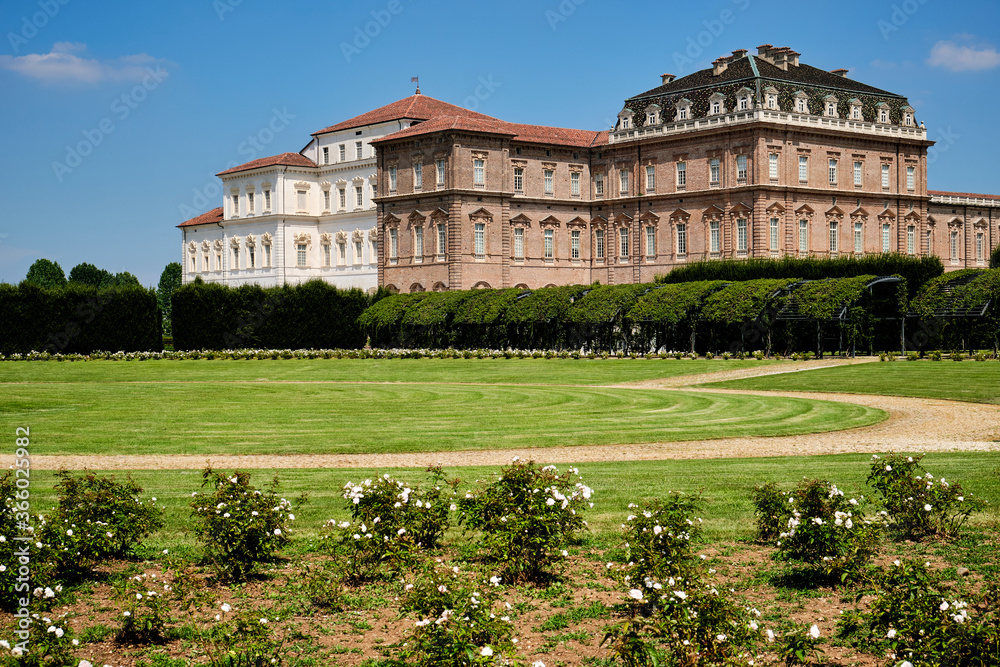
x=914, y=424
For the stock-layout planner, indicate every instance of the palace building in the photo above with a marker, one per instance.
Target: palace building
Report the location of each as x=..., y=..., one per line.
x=759, y=156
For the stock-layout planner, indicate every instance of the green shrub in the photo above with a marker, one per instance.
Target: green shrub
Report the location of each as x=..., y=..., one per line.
x=658, y=538
x=239, y=525
x=391, y=523
x=459, y=623
x=243, y=638
x=526, y=518
x=827, y=531
x=142, y=600
x=916, y=503
x=772, y=510
x=50, y=645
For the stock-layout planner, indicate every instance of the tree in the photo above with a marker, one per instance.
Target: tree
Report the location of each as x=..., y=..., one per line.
x=123, y=279
x=88, y=274
x=46, y=274
x=995, y=258
x=170, y=280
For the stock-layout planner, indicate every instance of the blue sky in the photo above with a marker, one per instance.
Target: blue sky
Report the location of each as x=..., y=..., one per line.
x=116, y=115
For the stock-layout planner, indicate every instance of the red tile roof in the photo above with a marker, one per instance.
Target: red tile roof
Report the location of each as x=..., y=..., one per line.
x=289, y=159
x=210, y=218
x=940, y=193
x=537, y=134
x=416, y=107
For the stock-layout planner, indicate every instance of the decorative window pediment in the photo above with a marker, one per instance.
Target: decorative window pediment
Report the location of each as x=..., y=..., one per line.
x=741, y=209
x=325, y=186
x=251, y=240
x=341, y=237
x=439, y=215
x=577, y=222
x=804, y=211
x=234, y=242
x=390, y=219
x=302, y=185
x=776, y=207
x=266, y=238
x=955, y=223
x=326, y=238
x=680, y=215
x=713, y=212
x=373, y=234
x=860, y=213
x=358, y=236
x=520, y=220
x=416, y=219
x=481, y=214
x=599, y=221
x=219, y=245
x=834, y=212
x=206, y=246
x=649, y=216
x=341, y=182
x=623, y=218
x=303, y=238
x=549, y=221
x=914, y=215
x=887, y=214
x=192, y=246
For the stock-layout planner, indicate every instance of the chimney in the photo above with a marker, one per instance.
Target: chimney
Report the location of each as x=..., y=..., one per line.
x=666, y=78
x=738, y=53
x=719, y=65
x=840, y=72
x=793, y=56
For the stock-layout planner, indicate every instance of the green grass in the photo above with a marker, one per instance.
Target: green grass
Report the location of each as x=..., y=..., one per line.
x=725, y=485
x=480, y=371
x=207, y=408
x=972, y=381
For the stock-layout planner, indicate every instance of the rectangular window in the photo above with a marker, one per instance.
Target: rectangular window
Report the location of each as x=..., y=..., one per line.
x=599, y=244
x=357, y=252
x=300, y=200
x=682, y=239
x=252, y=257
x=440, y=170
x=574, y=184
x=858, y=167
x=803, y=236
x=418, y=176
x=979, y=244
x=886, y=237
x=326, y=155
x=300, y=254
x=599, y=185
x=885, y=175
x=911, y=178
x=775, y=233
x=954, y=247
x=911, y=240
x=326, y=254
x=442, y=240
x=623, y=242
x=713, y=228
x=326, y=200
x=358, y=150
x=359, y=197
x=772, y=166
x=236, y=206
x=650, y=241
x=803, y=169
x=267, y=200
x=574, y=244
x=713, y=171
x=267, y=255
x=518, y=179
x=393, y=243
x=859, y=237
x=741, y=235
x=834, y=245
x=930, y=242
x=548, y=181
x=480, y=239
x=418, y=243
x=833, y=172
x=250, y=203
x=650, y=178
x=682, y=175
x=549, y=241
x=204, y=263
x=392, y=179
x=236, y=258
x=343, y=253
x=741, y=168
x=343, y=152
x=623, y=181
x=518, y=243
x=479, y=172
x=342, y=192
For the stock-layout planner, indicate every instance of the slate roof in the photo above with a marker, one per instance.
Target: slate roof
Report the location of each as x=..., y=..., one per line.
x=288, y=159
x=415, y=107
x=742, y=70
x=208, y=218
x=537, y=134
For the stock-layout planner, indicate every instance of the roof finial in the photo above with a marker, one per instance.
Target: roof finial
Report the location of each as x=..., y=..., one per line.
x=416, y=80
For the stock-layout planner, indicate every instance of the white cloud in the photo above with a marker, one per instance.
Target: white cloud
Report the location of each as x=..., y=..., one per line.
x=68, y=63
x=959, y=57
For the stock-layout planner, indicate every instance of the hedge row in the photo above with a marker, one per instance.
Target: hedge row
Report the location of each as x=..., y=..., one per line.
x=916, y=270
x=943, y=306
x=706, y=316
x=78, y=319
x=311, y=315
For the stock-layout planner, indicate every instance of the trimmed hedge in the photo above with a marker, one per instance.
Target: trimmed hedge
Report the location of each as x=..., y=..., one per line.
x=916, y=270
x=315, y=314
x=78, y=319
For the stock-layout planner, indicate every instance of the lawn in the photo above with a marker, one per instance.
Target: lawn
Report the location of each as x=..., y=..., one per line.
x=976, y=382
x=252, y=407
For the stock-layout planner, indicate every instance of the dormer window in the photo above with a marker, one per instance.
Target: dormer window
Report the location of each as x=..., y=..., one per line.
x=883, y=112
x=743, y=97
x=625, y=123
x=653, y=115
x=855, y=108
x=831, y=105
x=908, y=116
x=771, y=99
x=717, y=104
x=625, y=119
x=684, y=109
x=801, y=102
